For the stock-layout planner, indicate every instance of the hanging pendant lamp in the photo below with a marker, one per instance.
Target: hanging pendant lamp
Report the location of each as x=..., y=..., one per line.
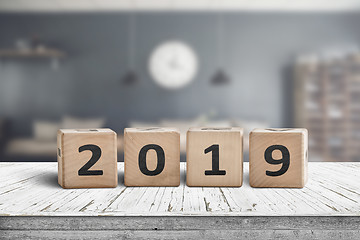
x=220, y=77
x=131, y=77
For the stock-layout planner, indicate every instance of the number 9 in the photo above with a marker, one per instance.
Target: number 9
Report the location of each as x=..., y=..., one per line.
x=285, y=160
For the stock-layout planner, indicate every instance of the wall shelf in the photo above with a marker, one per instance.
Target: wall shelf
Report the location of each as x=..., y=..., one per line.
x=33, y=53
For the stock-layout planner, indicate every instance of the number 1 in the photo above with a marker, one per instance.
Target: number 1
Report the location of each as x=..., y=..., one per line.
x=215, y=161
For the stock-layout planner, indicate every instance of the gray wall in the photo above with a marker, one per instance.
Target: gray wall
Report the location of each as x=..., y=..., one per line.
x=258, y=49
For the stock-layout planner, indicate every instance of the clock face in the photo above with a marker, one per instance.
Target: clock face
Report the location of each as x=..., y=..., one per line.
x=173, y=64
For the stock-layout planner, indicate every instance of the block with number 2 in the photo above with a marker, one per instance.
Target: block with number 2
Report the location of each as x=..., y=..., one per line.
x=278, y=157
x=87, y=158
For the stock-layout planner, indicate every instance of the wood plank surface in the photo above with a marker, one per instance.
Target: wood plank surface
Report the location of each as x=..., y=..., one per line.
x=31, y=189
x=185, y=234
x=180, y=227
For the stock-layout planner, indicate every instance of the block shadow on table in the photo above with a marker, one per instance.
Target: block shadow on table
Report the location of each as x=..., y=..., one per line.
x=245, y=179
x=49, y=179
x=120, y=177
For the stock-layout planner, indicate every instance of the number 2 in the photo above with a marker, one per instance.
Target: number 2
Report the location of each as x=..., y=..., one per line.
x=215, y=161
x=285, y=160
x=96, y=154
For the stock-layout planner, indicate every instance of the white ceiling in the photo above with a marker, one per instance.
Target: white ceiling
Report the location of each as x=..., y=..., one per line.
x=176, y=5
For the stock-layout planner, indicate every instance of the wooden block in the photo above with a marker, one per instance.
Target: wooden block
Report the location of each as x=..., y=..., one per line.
x=152, y=157
x=278, y=157
x=214, y=157
x=87, y=158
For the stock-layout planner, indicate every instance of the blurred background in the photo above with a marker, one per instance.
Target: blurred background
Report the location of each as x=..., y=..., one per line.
x=127, y=63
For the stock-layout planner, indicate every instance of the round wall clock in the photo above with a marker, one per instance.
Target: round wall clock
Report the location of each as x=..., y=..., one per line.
x=173, y=64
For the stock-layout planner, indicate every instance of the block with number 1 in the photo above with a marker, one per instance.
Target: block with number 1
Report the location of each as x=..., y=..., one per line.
x=278, y=157
x=214, y=157
x=87, y=158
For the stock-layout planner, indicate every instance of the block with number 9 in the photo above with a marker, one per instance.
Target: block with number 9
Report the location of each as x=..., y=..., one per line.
x=87, y=158
x=278, y=157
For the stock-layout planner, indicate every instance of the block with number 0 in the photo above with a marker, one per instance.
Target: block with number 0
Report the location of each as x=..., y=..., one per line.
x=152, y=157
x=214, y=157
x=278, y=157
x=87, y=158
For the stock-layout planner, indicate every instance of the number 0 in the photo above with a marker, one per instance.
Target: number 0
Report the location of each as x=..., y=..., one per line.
x=160, y=160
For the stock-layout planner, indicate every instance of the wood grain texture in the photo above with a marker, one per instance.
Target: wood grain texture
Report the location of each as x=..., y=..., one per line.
x=168, y=139
x=71, y=159
x=316, y=234
x=295, y=140
x=31, y=189
x=230, y=158
x=180, y=227
x=133, y=223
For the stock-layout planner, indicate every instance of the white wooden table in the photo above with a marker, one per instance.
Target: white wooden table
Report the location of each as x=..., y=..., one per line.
x=33, y=205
